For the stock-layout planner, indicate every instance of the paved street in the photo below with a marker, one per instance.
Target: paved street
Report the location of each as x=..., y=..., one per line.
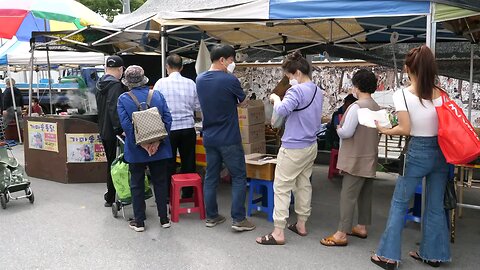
x=68, y=228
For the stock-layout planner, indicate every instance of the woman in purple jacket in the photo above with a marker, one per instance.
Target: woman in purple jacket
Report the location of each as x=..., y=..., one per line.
x=154, y=155
x=302, y=108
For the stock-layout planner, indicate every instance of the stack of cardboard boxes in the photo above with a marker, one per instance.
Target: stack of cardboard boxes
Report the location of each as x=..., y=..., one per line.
x=252, y=127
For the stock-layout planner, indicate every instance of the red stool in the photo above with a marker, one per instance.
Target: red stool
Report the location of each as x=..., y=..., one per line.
x=180, y=181
x=332, y=168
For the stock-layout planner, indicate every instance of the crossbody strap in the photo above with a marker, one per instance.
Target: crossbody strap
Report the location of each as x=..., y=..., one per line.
x=407, y=138
x=311, y=101
x=404, y=99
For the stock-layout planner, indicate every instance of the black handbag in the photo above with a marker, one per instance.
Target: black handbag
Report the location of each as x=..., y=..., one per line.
x=402, y=159
x=450, y=198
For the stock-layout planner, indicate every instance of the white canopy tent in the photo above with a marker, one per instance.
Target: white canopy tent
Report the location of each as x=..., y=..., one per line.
x=17, y=53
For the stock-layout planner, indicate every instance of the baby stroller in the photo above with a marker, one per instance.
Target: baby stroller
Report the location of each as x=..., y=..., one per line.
x=121, y=181
x=12, y=178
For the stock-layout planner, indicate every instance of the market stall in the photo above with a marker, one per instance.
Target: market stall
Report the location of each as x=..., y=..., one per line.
x=63, y=149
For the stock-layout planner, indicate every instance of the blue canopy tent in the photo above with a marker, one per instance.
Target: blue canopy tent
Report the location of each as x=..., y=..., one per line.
x=270, y=28
x=265, y=29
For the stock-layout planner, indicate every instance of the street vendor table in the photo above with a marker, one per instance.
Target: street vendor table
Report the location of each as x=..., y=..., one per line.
x=64, y=149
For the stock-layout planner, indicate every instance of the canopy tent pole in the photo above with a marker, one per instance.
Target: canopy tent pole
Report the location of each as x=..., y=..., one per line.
x=30, y=85
x=470, y=91
x=163, y=34
x=49, y=81
x=430, y=39
x=49, y=74
x=38, y=85
x=431, y=34
x=14, y=104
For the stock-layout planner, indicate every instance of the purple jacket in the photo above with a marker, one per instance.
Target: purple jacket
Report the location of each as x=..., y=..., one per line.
x=301, y=126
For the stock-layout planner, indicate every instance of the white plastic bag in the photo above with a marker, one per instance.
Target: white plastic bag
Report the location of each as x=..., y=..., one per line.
x=268, y=111
x=277, y=120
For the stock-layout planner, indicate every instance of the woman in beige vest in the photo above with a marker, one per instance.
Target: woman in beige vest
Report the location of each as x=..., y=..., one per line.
x=357, y=159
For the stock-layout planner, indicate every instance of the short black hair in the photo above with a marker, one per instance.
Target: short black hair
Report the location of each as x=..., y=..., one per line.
x=174, y=61
x=222, y=50
x=35, y=100
x=365, y=81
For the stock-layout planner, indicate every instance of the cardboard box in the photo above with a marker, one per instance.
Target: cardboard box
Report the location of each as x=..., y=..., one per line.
x=253, y=114
x=256, y=147
x=252, y=134
x=261, y=166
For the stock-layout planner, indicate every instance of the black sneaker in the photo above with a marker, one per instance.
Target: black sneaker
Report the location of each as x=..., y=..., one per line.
x=165, y=222
x=108, y=204
x=137, y=226
x=215, y=221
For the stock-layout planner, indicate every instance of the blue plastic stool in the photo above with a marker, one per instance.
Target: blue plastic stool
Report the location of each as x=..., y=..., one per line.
x=415, y=213
x=265, y=188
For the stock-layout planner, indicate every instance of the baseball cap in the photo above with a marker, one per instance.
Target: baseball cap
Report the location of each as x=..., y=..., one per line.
x=114, y=61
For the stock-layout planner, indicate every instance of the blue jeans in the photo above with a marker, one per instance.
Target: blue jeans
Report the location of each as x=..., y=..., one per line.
x=234, y=158
x=158, y=178
x=424, y=159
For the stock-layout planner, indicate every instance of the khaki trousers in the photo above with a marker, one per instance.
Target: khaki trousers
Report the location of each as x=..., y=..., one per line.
x=293, y=171
x=356, y=190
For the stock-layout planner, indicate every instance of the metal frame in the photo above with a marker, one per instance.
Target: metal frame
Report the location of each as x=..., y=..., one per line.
x=261, y=43
x=14, y=104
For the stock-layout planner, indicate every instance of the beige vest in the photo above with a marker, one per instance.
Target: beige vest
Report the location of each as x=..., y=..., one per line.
x=358, y=155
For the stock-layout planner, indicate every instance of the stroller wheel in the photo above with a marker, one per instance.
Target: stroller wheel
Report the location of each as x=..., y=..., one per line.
x=115, y=209
x=3, y=201
x=29, y=193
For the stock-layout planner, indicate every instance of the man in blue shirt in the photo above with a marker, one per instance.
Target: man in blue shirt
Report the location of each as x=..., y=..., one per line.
x=219, y=93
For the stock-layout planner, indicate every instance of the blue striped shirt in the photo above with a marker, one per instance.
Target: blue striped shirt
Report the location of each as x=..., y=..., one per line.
x=181, y=96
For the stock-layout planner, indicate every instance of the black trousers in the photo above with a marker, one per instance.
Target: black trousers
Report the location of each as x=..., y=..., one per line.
x=183, y=140
x=110, y=147
x=158, y=178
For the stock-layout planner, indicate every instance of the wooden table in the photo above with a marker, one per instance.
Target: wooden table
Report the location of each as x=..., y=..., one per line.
x=465, y=180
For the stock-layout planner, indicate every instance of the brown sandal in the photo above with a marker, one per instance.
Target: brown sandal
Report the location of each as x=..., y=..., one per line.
x=269, y=240
x=332, y=242
x=293, y=228
x=357, y=234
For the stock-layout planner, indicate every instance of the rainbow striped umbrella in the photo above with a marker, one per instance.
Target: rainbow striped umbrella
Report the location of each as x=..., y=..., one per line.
x=20, y=17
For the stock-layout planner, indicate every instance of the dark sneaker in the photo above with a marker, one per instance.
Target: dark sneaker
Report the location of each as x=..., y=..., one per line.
x=108, y=204
x=165, y=222
x=137, y=226
x=244, y=225
x=214, y=221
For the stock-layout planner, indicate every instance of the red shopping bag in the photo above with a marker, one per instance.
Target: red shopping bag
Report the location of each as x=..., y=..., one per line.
x=456, y=136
